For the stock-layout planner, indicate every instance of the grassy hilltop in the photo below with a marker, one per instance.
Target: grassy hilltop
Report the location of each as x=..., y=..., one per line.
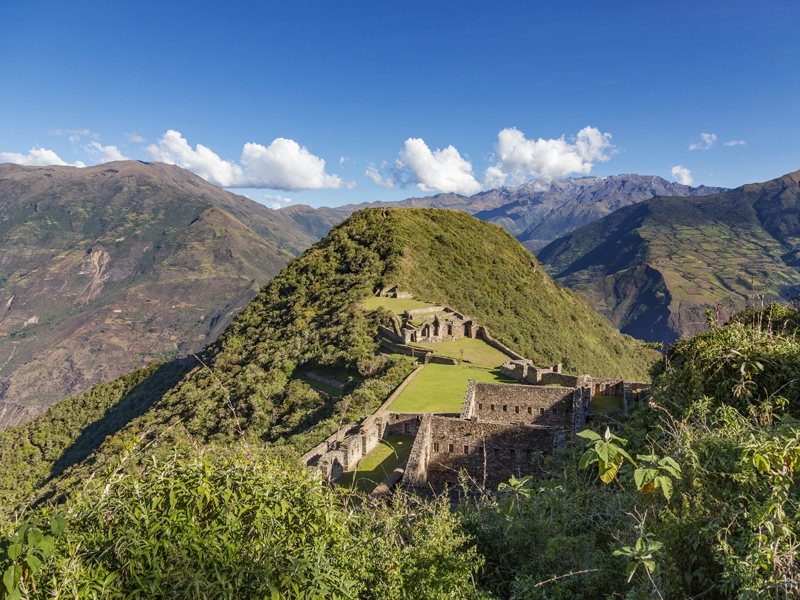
x=312, y=317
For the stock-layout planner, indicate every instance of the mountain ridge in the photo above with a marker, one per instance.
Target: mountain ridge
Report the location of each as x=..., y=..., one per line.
x=110, y=267
x=535, y=212
x=686, y=256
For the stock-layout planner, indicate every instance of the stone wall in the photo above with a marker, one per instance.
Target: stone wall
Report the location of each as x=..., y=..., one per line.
x=534, y=405
x=440, y=360
x=553, y=378
x=483, y=333
x=402, y=423
x=416, y=473
x=516, y=369
x=489, y=453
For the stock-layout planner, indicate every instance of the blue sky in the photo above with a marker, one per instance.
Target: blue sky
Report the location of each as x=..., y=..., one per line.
x=402, y=99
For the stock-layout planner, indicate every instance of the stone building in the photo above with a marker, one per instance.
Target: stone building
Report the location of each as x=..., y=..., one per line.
x=436, y=324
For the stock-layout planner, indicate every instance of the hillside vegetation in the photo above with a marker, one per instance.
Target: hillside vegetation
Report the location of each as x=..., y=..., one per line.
x=311, y=316
x=655, y=268
x=107, y=268
x=695, y=496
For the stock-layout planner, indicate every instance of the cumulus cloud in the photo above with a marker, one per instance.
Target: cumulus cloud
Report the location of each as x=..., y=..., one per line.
x=519, y=157
x=134, y=138
x=38, y=157
x=443, y=170
x=103, y=154
x=707, y=140
x=283, y=165
x=377, y=177
x=682, y=175
x=735, y=143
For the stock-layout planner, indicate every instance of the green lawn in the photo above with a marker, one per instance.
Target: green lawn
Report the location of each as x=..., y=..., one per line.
x=379, y=463
x=476, y=351
x=319, y=386
x=396, y=305
x=606, y=404
x=441, y=388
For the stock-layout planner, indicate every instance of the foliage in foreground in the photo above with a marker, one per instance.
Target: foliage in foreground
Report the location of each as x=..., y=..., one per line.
x=237, y=526
x=724, y=525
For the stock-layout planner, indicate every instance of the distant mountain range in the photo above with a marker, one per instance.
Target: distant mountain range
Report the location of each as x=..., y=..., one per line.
x=655, y=268
x=536, y=212
x=107, y=268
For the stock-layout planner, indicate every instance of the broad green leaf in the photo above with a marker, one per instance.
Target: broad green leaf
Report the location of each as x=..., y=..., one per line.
x=34, y=564
x=588, y=458
x=666, y=487
x=57, y=525
x=644, y=476
x=14, y=550
x=34, y=537
x=11, y=577
x=588, y=434
x=630, y=570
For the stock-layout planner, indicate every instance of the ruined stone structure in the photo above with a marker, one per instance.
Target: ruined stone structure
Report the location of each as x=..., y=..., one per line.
x=394, y=292
x=502, y=428
x=436, y=324
x=525, y=371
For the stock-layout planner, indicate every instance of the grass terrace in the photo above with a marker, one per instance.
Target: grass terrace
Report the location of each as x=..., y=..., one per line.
x=475, y=351
x=441, y=388
x=376, y=467
x=397, y=305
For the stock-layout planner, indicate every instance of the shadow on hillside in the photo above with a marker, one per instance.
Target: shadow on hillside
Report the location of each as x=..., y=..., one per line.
x=133, y=404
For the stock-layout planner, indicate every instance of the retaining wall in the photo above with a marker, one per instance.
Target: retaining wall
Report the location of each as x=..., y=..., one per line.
x=483, y=333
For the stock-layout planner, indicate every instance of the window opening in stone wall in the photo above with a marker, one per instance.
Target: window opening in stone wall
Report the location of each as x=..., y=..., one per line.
x=436, y=447
x=497, y=451
x=516, y=409
x=450, y=447
x=555, y=410
x=405, y=427
x=480, y=406
x=492, y=406
x=466, y=449
x=449, y=330
x=505, y=407
x=541, y=411
x=511, y=452
x=530, y=410
x=528, y=454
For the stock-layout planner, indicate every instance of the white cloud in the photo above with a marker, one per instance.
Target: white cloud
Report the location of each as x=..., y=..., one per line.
x=682, y=175
x=343, y=159
x=376, y=176
x=75, y=135
x=103, y=154
x=519, y=157
x=735, y=143
x=283, y=165
x=706, y=141
x=273, y=198
x=134, y=138
x=38, y=157
x=443, y=170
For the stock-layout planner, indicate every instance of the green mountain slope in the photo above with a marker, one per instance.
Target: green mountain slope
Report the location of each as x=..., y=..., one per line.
x=655, y=268
x=312, y=316
x=108, y=268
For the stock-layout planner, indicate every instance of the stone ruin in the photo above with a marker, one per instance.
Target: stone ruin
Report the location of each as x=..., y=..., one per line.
x=436, y=324
x=502, y=427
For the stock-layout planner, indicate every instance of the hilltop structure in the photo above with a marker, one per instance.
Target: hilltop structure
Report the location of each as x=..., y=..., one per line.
x=501, y=429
